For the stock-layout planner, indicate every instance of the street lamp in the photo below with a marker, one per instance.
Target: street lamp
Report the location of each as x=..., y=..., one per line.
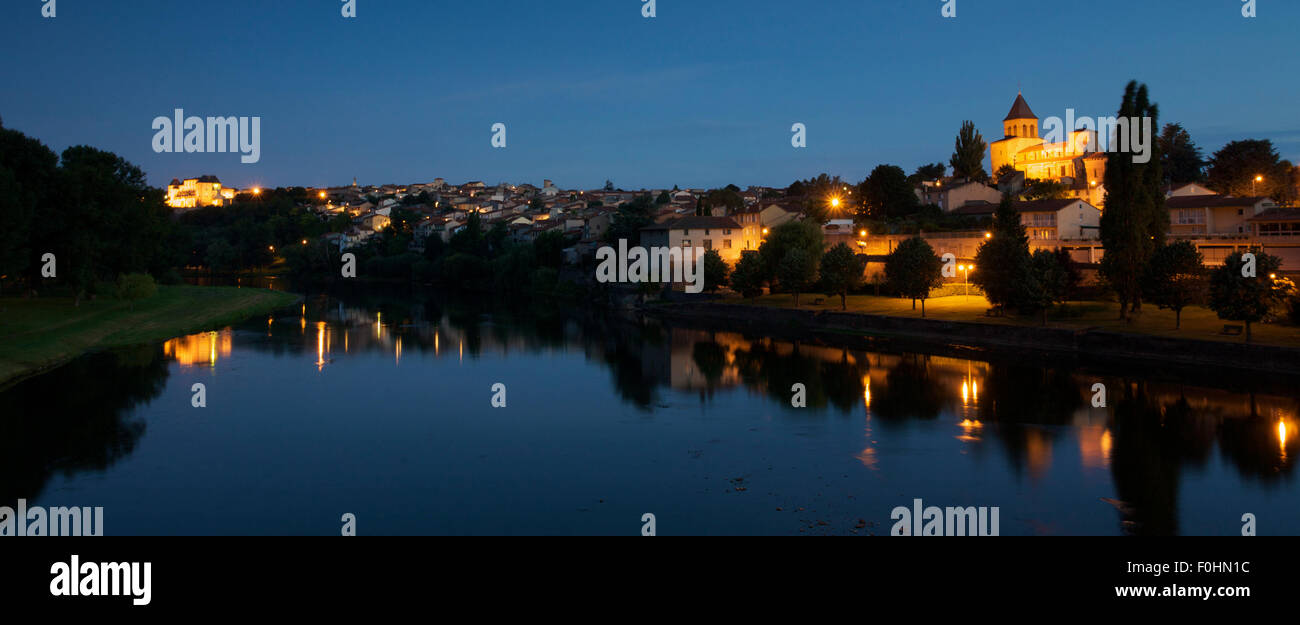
x=1257, y=179
x=966, y=269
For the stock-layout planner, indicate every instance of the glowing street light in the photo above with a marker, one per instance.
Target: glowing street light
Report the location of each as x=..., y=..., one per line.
x=988, y=235
x=966, y=269
x=1257, y=179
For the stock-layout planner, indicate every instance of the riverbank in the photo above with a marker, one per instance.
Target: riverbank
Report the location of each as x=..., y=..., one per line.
x=1086, y=328
x=40, y=333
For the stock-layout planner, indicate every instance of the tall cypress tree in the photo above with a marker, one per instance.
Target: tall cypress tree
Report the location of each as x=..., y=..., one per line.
x=1135, y=220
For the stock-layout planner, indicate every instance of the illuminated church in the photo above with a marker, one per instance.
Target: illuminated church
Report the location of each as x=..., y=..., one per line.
x=1068, y=162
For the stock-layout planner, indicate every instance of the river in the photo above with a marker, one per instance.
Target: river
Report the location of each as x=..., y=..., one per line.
x=378, y=403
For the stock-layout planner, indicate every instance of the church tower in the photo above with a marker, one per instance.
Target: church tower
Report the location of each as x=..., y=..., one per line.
x=1021, y=122
x=1020, y=131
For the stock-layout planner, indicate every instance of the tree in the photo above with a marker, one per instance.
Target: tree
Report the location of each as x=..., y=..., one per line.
x=1073, y=275
x=929, y=171
x=887, y=193
x=609, y=185
x=796, y=271
x=1236, y=297
x=27, y=173
x=913, y=270
x=1135, y=220
x=629, y=219
x=434, y=246
x=1047, y=283
x=1003, y=172
x=715, y=271
x=841, y=272
x=1003, y=259
x=470, y=239
x=548, y=249
x=726, y=198
x=803, y=235
x=663, y=198
x=1044, y=190
x=749, y=275
x=1182, y=161
x=1175, y=278
x=968, y=154
x=1234, y=168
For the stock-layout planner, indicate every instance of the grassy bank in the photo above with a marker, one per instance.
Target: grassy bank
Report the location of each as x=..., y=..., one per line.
x=1198, y=323
x=38, y=333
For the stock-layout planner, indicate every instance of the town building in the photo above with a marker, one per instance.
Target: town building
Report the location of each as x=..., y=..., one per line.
x=711, y=233
x=1068, y=219
x=198, y=193
x=1073, y=162
x=1211, y=215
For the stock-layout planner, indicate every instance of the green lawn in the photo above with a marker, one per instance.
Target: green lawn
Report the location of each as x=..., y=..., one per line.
x=1198, y=323
x=41, y=332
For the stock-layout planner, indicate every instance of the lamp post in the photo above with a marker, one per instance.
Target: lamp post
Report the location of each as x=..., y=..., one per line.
x=966, y=269
x=1253, y=182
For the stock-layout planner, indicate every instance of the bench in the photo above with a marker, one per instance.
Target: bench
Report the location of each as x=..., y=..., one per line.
x=1231, y=330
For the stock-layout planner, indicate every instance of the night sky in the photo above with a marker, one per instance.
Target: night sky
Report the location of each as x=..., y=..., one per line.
x=702, y=95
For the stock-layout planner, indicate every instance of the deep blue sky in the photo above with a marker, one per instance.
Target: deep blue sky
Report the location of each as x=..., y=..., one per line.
x=702, y=95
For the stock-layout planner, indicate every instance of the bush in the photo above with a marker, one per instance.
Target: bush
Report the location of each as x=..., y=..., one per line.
x=135, y=286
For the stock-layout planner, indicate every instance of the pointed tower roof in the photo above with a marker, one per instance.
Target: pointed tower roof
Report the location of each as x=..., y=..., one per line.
x=1020, y=110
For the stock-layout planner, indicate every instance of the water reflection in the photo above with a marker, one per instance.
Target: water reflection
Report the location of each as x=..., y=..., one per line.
x=75, y=419
x=1034, y=416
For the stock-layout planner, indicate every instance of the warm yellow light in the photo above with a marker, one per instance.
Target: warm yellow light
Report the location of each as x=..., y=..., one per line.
x=271, y=247
x=1259, y=179
x=1281, y=435
x=304, y=241
x=322, y=195
x=764, y=230
x=1272, y=276
x=988, y=235
x=835, y=202
x=257, y=191
x=862, y=233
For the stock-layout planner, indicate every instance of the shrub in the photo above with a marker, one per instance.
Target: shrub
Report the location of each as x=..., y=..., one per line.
x=135, y=286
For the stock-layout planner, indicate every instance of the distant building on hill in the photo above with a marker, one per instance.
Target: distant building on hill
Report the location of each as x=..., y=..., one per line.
x=198, y=192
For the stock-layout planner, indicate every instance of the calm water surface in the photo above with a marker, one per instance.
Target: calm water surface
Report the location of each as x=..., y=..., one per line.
x=379, y=404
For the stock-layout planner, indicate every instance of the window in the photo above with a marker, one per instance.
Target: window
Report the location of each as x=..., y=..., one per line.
x=686, y=232
x=726, y=244
x=727, y=232
x=708, y=244
x=706, y=232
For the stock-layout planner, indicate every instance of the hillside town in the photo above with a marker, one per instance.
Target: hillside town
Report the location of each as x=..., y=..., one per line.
x=1067, y=216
